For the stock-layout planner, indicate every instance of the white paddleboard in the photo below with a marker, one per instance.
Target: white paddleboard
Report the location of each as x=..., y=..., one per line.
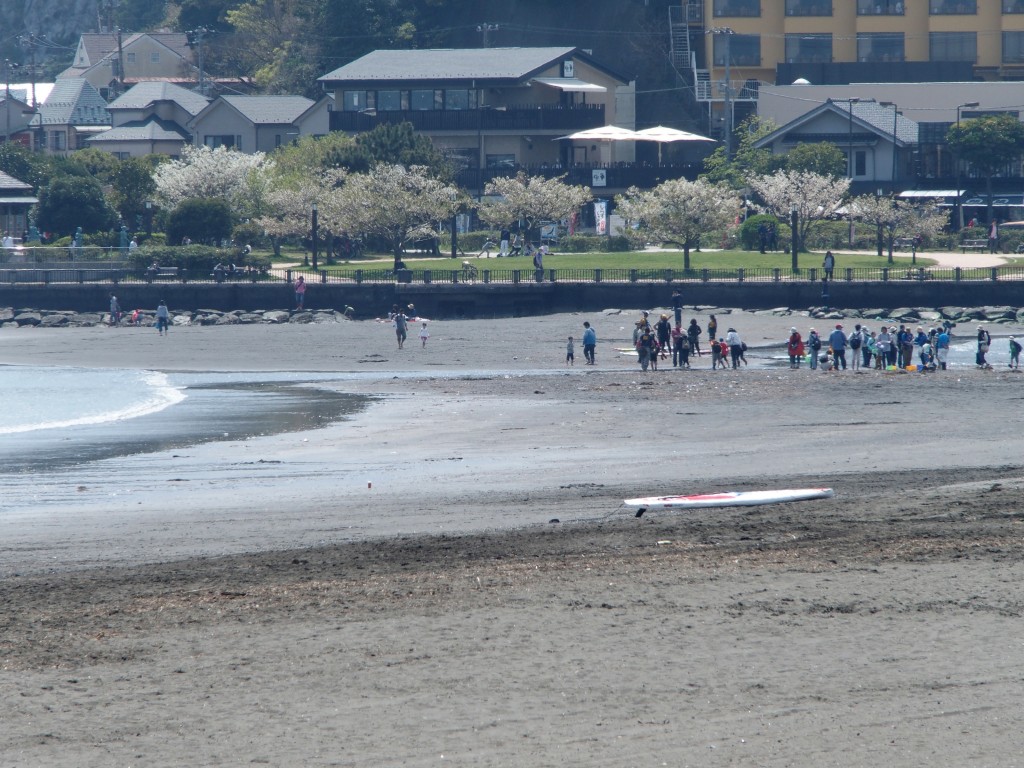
x=729, y=499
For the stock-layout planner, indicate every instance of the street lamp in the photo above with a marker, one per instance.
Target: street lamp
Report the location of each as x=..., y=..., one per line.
x=316, y=234
x=454, y=195
x=849, y=152
x=794, y=237
x=149, y=218
x=959, y=204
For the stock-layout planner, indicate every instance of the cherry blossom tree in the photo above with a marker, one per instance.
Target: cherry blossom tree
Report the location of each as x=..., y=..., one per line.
x=394, y=203
x=894, y=219
x=530, y=200
x=239, y=178
x=677, y=210
x=814, y=198
x=288, y=204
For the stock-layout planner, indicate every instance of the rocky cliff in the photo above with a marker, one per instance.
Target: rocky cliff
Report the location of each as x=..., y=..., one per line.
x=59, y=20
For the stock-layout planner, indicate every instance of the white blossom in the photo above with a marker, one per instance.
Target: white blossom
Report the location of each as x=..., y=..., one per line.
x=530, y=199
x=813, y=196
x=234, y=176
x=898, y=218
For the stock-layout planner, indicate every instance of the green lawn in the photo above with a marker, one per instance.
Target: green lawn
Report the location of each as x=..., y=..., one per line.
x=730, y=260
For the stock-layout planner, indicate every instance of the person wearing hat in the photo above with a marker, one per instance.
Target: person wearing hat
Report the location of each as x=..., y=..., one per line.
x=942, y=347
x=837, y=340
x=795, y=348
x=984, y=342
x=814, y=345
x=735, y=344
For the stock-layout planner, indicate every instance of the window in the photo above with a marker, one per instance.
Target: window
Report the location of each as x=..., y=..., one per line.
x=880, y=46
x=953, y=46
x=501, y=161
x=58, y=140
x=1013, y=47
x=389, y=101
x=426, y=100
x=809, y=49
x=130, y=57
x=460, y=99
x=354, y=101
x=737, y=8
x=952, y=7
x=155, y=57
x=879, y=7
x=744, y=50
x=1013, y=6
x=223, y=140
x=809, y=7
x=860, y=163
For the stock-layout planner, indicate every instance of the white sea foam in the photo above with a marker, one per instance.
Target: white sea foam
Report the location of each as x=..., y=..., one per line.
x=60, y=398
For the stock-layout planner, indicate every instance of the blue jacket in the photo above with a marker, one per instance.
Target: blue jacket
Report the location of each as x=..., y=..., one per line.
x=837, y=339
x=589, y=336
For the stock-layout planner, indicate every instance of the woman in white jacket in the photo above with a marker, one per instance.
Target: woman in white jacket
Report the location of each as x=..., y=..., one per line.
x=735, y=344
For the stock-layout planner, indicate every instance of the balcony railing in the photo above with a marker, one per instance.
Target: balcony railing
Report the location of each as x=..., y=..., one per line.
x=617, y=176
x=513, y=118
x=880, y=7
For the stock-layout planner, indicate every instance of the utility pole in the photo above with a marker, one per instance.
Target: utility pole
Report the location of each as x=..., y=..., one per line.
x=727, y=34
x=485, y=29
x=195, y=40
x=120, y=63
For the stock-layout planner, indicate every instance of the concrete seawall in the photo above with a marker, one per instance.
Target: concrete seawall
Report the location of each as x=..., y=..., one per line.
x=524, y=299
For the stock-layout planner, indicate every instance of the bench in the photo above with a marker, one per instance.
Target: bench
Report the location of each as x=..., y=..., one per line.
x=903, y=243
x=161, y=273
x=973, y=245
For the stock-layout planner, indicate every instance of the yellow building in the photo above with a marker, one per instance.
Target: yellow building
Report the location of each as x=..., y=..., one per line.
x=835, y=42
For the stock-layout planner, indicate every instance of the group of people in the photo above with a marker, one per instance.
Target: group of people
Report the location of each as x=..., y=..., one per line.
x=163, y=315
x=656, y=341
x=887, y=347
x=400, y=322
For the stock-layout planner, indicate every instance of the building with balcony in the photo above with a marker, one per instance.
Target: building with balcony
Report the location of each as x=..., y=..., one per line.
x=730, y=48
x=491, y=109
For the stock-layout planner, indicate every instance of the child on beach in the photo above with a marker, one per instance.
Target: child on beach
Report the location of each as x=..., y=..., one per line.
x=570, y=357
x=424, y=334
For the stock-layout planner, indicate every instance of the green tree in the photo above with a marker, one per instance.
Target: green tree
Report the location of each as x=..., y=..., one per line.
x=989, y=144
x=747, y=160
x=204, y=220
x=68, y=202
x=140, y=15
x=395, y=144
x=132, y=185
x=91, y=162
x=30, y=167
x=310, y=154
x=823, y=158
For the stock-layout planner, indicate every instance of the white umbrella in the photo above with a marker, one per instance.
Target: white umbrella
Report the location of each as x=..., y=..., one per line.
x=604, y=133
x=662, y=134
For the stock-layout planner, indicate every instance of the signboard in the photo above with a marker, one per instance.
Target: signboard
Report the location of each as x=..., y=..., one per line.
x=568, y=68
x=601, y=216
x=599, y=177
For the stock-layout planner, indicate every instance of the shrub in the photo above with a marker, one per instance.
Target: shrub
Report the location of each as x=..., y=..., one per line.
x=248, y=233
x=203, y=220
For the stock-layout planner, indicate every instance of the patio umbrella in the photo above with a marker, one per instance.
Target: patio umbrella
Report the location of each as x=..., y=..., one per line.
x=662, y=134
x=604, y=133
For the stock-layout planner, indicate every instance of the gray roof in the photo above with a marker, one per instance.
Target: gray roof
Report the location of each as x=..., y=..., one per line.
x=450, y=64
x=881, y=118
x=145, y=94
x=272, y=110
x=150, y=129
x=10, y=184
x=73, y=101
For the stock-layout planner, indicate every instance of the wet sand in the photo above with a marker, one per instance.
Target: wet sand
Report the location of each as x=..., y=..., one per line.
x=255, y=602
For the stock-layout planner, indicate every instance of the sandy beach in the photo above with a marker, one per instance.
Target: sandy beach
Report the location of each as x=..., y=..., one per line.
x=448, y=575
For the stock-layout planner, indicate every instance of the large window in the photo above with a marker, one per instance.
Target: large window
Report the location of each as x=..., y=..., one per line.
x=880, y=46
x=809, y=7
x=355, y=101
x=809, y=49
x=737, y=8
x=953, y=46
x=952, y=7
x=1013, y=47
x=459, y=99
x=1013, y=6
x=224, y=140
x=391, y=101
x=426, y=99
x=743, y=50
x=879, y=7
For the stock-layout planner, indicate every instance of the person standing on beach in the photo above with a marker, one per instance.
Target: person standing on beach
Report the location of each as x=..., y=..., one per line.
x=814, y=345
x=735, y=344
x=693, y=332
x=1014, y=353
x=589, y=343
x=115, y=311
x=942, y=347
x=837, y=341
x=424, y=335
x=570, y=352
x=645, y=348
x=984, y=342
x=712, y=327
x=401, y=328
x=795, y=348
x=162, y=318
x=300, y=293
x=664, y=330
x=677, y=306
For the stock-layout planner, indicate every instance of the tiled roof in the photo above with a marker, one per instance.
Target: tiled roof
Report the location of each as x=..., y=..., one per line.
x=881, y=118
x=144, y=94
x=151, y=129
x=9, y=184
x=449, y=64
x=73, y=102
x=273, y=110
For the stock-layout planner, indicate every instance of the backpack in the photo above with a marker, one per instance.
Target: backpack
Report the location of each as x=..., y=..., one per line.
x=855, y=340
x=815, y=342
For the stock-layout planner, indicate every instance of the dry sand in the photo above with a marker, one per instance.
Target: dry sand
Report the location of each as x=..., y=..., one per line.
x=259, y=604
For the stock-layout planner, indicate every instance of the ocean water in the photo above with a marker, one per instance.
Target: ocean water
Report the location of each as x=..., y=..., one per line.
x=54, y=418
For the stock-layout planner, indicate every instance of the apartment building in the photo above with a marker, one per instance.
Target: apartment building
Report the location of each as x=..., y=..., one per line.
x=835, y=42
